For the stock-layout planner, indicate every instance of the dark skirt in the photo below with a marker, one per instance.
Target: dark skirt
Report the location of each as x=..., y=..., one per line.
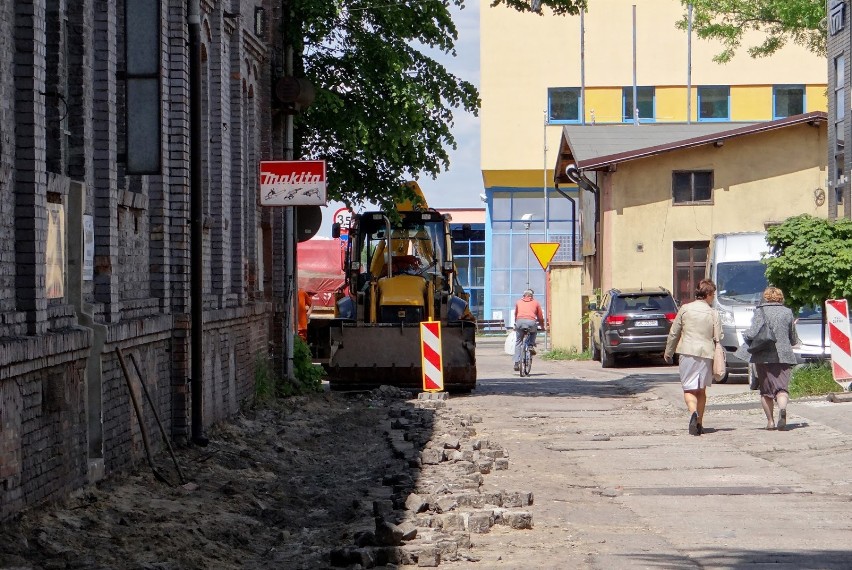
x=773, y=377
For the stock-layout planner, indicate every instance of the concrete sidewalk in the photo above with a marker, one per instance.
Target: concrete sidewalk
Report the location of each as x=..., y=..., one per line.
x=619, y=483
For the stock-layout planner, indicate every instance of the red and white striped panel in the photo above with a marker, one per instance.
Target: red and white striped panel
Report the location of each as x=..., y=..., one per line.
x=433, y=362
x=837, y=316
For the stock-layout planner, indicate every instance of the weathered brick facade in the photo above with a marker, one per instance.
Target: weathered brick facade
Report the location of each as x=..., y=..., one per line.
x=839, y=49
x=66, y=417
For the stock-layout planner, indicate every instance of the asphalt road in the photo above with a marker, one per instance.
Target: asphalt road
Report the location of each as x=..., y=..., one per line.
x=619, y=483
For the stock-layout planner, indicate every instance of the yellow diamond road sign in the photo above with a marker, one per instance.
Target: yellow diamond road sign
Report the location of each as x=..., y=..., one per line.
x=544, y=252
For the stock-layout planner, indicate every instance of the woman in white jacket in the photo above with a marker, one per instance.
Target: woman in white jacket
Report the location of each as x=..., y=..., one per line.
x=692, y=336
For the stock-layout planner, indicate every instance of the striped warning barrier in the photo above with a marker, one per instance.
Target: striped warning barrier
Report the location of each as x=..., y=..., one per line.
x=837, y=315
x=430, y=351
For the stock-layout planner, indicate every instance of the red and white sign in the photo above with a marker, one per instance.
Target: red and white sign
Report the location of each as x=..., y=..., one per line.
x=433, y=362
x=342, y=216
x=837, y=315
x=292, y=183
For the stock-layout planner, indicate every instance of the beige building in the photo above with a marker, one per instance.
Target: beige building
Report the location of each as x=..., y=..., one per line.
x=662, y=191
x=542, y=73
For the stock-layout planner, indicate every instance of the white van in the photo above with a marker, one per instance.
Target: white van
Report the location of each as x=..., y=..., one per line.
x=734, y=265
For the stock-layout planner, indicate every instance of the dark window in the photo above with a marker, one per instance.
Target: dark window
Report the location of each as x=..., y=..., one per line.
x=563, y=104
x=690, y=261
x=692, y=187
x=645, y=95
x=788, y=100
x=714, y=103
x=650, y=302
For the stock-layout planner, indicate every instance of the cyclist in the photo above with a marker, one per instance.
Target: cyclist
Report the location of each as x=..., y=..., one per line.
x=527, y=315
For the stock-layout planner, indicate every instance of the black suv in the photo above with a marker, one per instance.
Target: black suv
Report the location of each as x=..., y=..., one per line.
x=630, y=321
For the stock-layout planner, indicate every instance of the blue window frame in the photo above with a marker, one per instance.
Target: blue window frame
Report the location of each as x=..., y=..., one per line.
x=714, y=103
x=788, y=100
x=563, y=105
x=511, y=265
x=469, y=256
x=646, y=105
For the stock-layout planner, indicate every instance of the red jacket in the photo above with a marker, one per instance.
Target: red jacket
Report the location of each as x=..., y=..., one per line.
x=529, y=309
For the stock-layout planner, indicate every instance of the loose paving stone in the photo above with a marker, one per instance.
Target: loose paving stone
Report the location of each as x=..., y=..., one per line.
x=437, y=504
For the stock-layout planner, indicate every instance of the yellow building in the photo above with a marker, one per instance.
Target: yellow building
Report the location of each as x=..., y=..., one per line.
x=540, y=73
x=662, y=191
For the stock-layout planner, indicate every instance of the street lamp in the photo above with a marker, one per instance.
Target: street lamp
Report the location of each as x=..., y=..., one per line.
x=527, y=219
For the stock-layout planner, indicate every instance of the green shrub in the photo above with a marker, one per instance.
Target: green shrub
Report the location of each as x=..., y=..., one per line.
x=562, y=354
x=264, y=378
x=307, y=373
x=269, y=384
x=813, y=380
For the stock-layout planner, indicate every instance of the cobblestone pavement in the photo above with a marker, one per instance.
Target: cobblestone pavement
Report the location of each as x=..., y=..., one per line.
x=572, y=467
x=619, y=483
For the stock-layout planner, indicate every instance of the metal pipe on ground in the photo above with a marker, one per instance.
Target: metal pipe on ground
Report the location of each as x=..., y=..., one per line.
x=140, y=417
x=156, y=417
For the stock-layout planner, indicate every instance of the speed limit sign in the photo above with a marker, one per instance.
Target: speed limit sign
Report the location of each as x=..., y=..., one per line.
x=342, y=216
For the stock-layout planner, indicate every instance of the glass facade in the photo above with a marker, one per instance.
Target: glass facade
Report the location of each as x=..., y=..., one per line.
x=513, y=266
x=469, y=257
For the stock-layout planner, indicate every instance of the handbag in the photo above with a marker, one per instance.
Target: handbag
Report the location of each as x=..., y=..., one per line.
x=719, y=363
x=763, y=338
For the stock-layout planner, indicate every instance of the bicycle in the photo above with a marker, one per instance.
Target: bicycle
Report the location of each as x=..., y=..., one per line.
x=526, y=353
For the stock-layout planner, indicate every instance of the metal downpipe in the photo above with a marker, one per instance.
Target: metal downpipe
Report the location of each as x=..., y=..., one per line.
x=196, y=193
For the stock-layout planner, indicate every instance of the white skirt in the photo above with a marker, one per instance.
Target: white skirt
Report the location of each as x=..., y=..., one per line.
x=695, y=372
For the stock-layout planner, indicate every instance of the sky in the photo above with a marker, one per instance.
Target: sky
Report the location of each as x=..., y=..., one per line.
x=461, y=185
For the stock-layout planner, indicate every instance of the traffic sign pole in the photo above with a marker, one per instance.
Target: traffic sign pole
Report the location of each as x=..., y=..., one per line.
x=544, y=252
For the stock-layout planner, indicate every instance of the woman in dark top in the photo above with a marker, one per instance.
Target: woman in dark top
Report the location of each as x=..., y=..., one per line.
x=773, y=364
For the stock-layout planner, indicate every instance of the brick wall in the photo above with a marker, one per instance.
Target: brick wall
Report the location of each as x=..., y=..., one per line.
x=66, y=415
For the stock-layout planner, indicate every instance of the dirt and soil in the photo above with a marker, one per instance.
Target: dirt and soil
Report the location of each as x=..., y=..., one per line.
x=278, y=487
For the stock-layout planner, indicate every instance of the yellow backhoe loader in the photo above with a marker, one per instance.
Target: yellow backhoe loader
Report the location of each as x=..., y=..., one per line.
x=399, y=272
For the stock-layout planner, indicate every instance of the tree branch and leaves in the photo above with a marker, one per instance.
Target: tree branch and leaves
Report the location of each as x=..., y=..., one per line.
x=558, y=7
x=729, y=22
x=810, y=259
x=384, y=109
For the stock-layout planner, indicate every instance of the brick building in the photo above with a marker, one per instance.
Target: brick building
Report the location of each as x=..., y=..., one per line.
x=94, y=258
x=840, y=123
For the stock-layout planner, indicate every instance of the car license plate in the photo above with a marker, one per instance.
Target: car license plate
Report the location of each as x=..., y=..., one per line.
x=646, y=323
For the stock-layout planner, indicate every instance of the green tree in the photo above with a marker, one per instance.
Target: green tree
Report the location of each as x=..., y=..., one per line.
x=558, y=7
x=780, y=21
x=383, y=112
x=810, y=259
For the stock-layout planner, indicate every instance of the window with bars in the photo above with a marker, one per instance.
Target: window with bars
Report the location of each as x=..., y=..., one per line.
x=692, y=187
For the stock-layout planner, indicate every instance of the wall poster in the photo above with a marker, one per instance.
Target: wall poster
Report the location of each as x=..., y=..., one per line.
x=55, y=253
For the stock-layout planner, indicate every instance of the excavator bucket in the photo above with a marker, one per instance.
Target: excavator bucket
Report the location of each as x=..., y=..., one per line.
x=365, y=356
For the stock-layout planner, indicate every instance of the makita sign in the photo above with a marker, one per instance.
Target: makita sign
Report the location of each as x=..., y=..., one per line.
x=292, y=183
